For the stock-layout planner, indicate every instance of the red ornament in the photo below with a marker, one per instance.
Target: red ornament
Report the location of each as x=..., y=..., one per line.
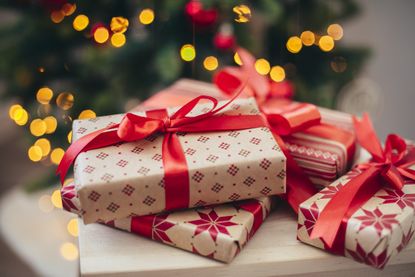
x=224, y=42
x=284, y=89
x=199, y=16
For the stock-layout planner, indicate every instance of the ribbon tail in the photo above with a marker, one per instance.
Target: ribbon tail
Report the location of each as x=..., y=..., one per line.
x=367, y=137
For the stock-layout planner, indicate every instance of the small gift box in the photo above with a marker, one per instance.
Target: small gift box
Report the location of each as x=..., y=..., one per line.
x=369, y=213
x=138, y=174
x=218, y=232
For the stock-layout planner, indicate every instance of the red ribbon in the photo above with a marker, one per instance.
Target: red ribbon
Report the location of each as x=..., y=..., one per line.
x=389, y=166
x=282, y=119
x=134, y=127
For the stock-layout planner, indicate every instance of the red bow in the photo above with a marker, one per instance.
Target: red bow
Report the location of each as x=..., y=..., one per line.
x=388, y=167
x=133, y=127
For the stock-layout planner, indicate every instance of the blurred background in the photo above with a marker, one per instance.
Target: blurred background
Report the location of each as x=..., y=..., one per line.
x=62, y=60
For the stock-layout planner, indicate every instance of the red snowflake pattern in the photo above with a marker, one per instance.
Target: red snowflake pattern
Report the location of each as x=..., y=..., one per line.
x=399, y=198
x=160, y=226
x=330, y=191
x=378, y=220
x=67, y=195
x=378, y=261
x=212, y=223
x=311, y=215
x=406, y=239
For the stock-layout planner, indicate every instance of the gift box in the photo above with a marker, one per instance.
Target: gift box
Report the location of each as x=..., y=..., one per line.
x=369, y=213
x=324, y=152
x=218, y=232
x=128, y=179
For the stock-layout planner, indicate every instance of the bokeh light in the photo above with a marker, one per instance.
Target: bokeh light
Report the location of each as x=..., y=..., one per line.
x=45, y=205
x=56, y=199
x=44, y=145
x=35, y=153
x=56, y=155
x=101, y=35
x=307, y=38
x=146, y=16
x=85, y=114
x=262, y=66
x=69, y=137
x=188, y=52
x=335, y=31
x=277, y=73
x=21, y=117
x=294, y=44
x=65, y=100
x=68, y=9
x=13, y=110
x=72, y=227
x=118, y=40
x=44, y=95
x=326, y=43
x=338, y=64
x=51, y=124
x=119, y=24
x=38, y=127
x=210, y=63
x=80, y=22
x=237, y=59
x=243, y=13
x=69, y=251
x=57, y=16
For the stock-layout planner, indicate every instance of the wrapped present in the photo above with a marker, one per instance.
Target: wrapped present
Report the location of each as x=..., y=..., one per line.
x=205, y=156
x=324, y=152
x=368, y=214
x=218, y=232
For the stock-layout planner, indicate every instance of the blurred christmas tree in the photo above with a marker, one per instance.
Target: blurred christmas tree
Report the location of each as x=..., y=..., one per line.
x=62, y=60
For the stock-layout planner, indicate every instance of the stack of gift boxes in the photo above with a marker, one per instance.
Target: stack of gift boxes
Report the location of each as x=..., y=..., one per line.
x=232, y=176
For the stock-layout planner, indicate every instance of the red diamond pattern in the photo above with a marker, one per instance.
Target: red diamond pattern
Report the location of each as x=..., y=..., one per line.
x=200, y=203
x=265, y=191
x=149, y=200
x=234, y=197
x=89, y=169
x=137, y=150
x=190, y=151
x=157, y=157
x=161, y=183
x=203, y=139
x=255, y=141
x=107, y=177
x=102, y=155
x=217, y=188
x=143, y=170
x=122, y=163
x=81, y=130
x=282, y=174
x=249, y=181
x=265, y=164
x=151, y=137
x=128, y=190
x=94, y=196
x=244, y=153
x=113, y=207
x=224, y=145
x=198, y=176
x=234, y=134
x=212, y=158
x=235, y=106
x=233, y=170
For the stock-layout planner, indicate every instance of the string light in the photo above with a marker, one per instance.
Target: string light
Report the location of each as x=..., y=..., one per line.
x=51, y=124
x=68, y=9
x=80, y=22
x=277, y=73
x=45, y=205
x=210, y=63
x=262, y=66
x=237, y=59
x=118, y=40
x=56, y=199
x=56, y=155
x=44, y=95
x=294, y=44
x=101, y=35
x=35, y=153
x=307, y=38
x=85, y=114
x=326, y=43
x=69, y=251
x=188, y=52
x=38, y=127
x=65, y=100
x=335, y=31
x=57, y=16
x=119, y=24
x=44, y=145
x=146, y=16
x=72, y=227
x=243, y=13
x=69, y=137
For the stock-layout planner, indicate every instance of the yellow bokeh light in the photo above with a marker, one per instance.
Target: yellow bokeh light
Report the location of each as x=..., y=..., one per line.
x=65, y=100
x=72, y=227
x=335, y=31
x=13, y=110
x=41, y=69
x=188, y=52
x=326, y=43
x=44, y=95
x=56, y=199
x=243, y=13
x=44, y=145
x=85, y=114
x=38, y=127
x=118, y=40
x=51, y=124
x=146, y=16
x=80, y=22
x=56, y=155
x=119, y=24
x=210, y=63
x=69, y=137
x=69, y=251
x=262, y=66
x=294, y=44
x=21, y=117
x=101, y=35
x=277, y=73
x=68, y=9
x=57, y=16
x=237, y=59
x=308, y=38
x=45, y=205
x=35, y=153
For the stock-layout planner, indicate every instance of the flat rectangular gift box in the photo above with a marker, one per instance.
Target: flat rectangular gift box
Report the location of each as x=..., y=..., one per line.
x=322, y=159
x=126, y=179
x=218, y=232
